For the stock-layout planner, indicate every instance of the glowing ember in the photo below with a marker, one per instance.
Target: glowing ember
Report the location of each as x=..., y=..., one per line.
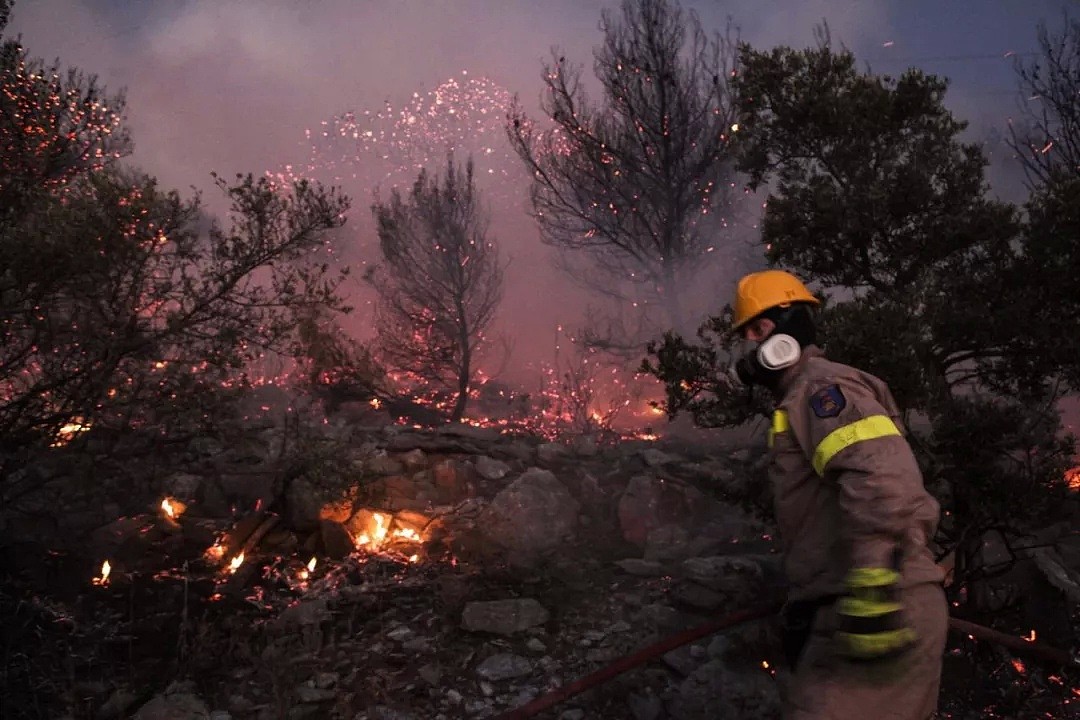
x=216, y=552
x=1018, y=665
x=376, y=403
x=172, y=508
x=236, y=562
x=407, y=534
x=69, y=430
x=103, y=579
x=1072, y=478
x=414, y=558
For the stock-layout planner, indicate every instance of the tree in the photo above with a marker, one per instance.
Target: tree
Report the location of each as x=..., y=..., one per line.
x=873, y=195
x=121, y=305
x=440, y=282
x=1047, y=141
x=639, y=184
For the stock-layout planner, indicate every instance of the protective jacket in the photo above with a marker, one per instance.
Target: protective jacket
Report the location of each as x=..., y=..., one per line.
x=849, y=494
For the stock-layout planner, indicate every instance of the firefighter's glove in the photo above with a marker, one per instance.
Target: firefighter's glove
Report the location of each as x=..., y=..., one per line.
x=870, y=622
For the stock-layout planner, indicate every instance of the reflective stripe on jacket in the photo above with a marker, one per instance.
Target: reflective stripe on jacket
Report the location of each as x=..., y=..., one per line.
x=848, y=491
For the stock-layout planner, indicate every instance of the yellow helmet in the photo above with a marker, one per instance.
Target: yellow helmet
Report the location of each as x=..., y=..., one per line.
x=760, y=291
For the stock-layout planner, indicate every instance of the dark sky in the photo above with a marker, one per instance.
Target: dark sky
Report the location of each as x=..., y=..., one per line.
x=233, y=85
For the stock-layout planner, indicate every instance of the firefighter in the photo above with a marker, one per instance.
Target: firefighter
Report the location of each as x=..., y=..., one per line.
x=866, y=616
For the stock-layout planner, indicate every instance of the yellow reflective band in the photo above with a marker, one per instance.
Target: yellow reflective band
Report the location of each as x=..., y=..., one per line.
x=869, y=428
x=857, y=607
x=872, y=577
x=779, y=425
x=779, y=421
x=869, y=646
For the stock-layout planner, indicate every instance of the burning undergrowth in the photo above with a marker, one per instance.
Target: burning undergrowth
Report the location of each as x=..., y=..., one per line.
x=360, y=568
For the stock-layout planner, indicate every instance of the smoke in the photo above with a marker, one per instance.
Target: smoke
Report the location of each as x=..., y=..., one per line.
x=273, y=85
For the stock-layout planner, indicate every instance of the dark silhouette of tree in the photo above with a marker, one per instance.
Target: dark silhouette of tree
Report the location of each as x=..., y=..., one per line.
x=931, y=284
x=641, y=183
x=1047, y=138
x=440, y=281
x=121, y=305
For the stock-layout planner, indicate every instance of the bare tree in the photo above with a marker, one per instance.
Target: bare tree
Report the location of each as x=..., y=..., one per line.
x=637, y=182
x=1047, y=141
x=440, y=282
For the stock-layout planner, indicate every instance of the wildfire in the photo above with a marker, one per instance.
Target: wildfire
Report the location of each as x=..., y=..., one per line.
x=103, y=578
x=236, y=562
x=172, y=508
x=305, y=573
x=1072, y=478
x=69, y=430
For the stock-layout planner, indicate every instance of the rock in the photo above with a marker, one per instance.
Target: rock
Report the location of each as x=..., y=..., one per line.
x=531, y=516
x=431, y=674
x=491, y=469
x=454, y=696
x=644, y=707
x=698, y=596
x=220, y=715
x=681, y=660
x=536, y=645
x=640, y=567
x=383, y=464
x=324, y=680
x=304, y=613
x=714, y=691
x=308, y=694
x=303, y=505
x=175, y=706
x=647, y=504
x=337, y=542
x=382, y=712
x=503, y=617
x=402, y=632
x=414, y=459
x=183, y=486
x=737, y=579
x=504, y=666
x=656, y=458
x=667, y=543
x=551, y=453
x=572, y=714
x=117, y=705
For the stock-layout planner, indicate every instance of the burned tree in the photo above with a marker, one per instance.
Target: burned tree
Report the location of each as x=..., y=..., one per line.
x=1047, y=140
x=440, y=281
x=640, y=183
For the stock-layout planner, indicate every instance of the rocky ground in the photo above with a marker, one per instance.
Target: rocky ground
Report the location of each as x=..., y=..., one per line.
x=412, y=574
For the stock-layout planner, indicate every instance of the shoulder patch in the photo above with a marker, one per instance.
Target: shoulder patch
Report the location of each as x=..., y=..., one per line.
x=828, y=402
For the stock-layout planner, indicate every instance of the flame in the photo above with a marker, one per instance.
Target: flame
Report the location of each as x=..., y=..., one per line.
x=1072, y=478
x=407, y=534
x=69, y=430
x=311, y=565
x=375, y=403
x=236, y=562
x=215, y=552
x=172, y=508
x=414, y=558
x=765, y=664
x=1031, y=637
x=103, y=579
x=1018, y=665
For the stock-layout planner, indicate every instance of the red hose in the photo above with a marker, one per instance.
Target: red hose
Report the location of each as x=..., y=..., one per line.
x=638, y=658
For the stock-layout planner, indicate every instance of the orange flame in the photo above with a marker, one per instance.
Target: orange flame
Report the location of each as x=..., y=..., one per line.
x=103, y=579
x=311, y=565
x=1018, y=665
x=1072, y=478
x=236, y=562
x=172, y=508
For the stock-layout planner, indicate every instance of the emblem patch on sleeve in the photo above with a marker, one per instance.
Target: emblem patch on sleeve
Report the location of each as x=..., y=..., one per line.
x=828, y=402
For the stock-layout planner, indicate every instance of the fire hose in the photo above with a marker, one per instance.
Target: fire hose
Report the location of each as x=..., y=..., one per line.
x=629, y=662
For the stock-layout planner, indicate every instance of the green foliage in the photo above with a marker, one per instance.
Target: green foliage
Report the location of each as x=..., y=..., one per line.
x=697, y=380
x=945, y=293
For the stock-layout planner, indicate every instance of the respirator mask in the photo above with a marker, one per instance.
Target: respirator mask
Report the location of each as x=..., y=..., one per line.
x=764, y=363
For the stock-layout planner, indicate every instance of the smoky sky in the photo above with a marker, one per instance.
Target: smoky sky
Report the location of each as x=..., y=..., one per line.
x=250, y=85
